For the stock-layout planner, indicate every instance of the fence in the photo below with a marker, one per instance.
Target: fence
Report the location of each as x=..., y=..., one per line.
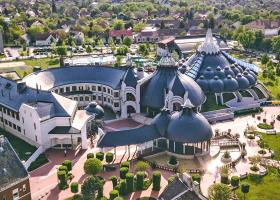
x=34, y=156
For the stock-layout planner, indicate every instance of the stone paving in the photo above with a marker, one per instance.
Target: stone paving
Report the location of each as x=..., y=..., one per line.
x=44, y=180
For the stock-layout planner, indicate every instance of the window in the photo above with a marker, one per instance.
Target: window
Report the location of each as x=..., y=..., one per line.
x=24, y=132
x=87, y=87
x=93, y=88
x=10, y=124
x=93, y=97
x=130, y=97
x=116, y=94
x=108, y=90
x=99, y=98
x=18, y=128
x=99, y=88
x=74, y=88
x=67, y=89
x=4, y=198
x=116, y=104
x=81, y=88
x=6, y=122
x=14, y=126
x=76, y=98
x=81, y=98
x=61, y=90
x=34, y=126
x=104, y=99
x=17, y=116
x=36, y=138
x=15, y=194
x=104, y=89
x=8, y=112
x=86, y=98
x=22, y=120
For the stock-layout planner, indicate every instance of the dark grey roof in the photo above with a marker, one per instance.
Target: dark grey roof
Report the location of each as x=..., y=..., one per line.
x=13, y=95
x=168, y=78
x=188, y=126
x=12, y=170
x=50, y=78
x=94, y=109
x=230, y=84
x=216, y=85
x=175, y=188
x=64, y=130
x=161, y=121
x=128, y=137
x=242, y=81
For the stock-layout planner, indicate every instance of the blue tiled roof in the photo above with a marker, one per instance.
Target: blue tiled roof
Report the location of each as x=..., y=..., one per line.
x=112, y=77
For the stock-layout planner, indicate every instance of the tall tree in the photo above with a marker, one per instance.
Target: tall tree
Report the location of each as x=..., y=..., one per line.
x=219, y=191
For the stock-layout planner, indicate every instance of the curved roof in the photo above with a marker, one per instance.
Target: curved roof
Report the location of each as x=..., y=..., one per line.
x=161, y=122
x=188, y=127
x=95, y=109
x=112, y=77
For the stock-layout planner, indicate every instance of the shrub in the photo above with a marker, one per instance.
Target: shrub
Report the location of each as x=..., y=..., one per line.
x=123, y=172
x=262, y=151
x=118, y=198
x=68, y=164
x=109, y=157
x=255, y=168
x=141, y=166
x=90, y=155
x=173, y=160
x=224, y=179
x=113, y=194
x=77, y=197
x=92, y=166
x=74, y=187
x=129, y=182
x=245, y=187
x=251, y=137
x=139, y=180
x=196, y=177
x=226, y=155
x=100, y=156
x=122, y=187
x=61, y=175
x=234, y=181
x=153, y=165
x=156, y=180
x=42, y=159
x=114, y=180
x=125, y=164
x=63, y=168
x=265, y=126
x=147, y=183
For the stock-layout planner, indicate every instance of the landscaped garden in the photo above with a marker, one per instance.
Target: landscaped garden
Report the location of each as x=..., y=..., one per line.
x=266, y=187
x=273, y=142
x=22, y=148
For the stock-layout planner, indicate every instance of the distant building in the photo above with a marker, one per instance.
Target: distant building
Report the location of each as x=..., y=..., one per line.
x=119, y=35
x=45, y=39
x=149, y=34
x=14, y=181
x=1, y=43
x=268, y=27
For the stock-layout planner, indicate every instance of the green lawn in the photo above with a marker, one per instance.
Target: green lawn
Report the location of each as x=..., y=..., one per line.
x=273, y=141
x=210, y=104
x=272, y=86
x=20, y=146
x=263, y=188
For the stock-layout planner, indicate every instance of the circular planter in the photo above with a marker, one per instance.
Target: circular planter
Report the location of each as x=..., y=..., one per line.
x=226, y=160
x=262, y=152
x=171, y=165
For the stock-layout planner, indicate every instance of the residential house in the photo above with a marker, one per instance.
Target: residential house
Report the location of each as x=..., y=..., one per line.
x=149, y=34
x=14, y=181
x=119, y=35
x=268, y=27
x=45, y=39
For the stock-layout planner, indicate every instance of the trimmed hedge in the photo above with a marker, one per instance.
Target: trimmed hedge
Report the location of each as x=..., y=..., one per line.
x=61, y=175
x=41, y=160
x=123, y=172
x=123, y=187
x=156, y=180
x=173, y=160
x=68, y=164
x=114, y=180
x=109, y=157
x=125, y=164
x=63, y=168
x=100, y=156
x=90, y=155
x=74, y=187
x=129, y=182
x=196, y=177
x=141, y=166
x=113, y=194
x=140, y=180
x=234, y=181
x=265, y=126
x=224, y=179
x=93, y=166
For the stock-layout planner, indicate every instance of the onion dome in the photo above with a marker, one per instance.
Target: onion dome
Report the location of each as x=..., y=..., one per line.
x=208, y=73
x=251, y=72
x=219, y=72
x=250, y=78
x=203, y=83
x=235, y=69
x=230, y=84
x=217, y=85
x=94, y=109
x=167, y=61
x=188, y=126
x=243, y=82
x=161, y=121
x=209, y=46
x=228, y=71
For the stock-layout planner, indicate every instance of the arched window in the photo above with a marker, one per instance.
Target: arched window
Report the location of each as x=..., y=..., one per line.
x=130, y=97
x=176, y=106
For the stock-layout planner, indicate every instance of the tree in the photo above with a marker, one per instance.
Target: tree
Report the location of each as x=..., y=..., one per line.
x=61, y=50
x=68, y=164
x=264, y=58
x=113, y=194
x=114, y=181
x=219, y=191
x=143, y=50
x=247, y=38
x=123, y=172
x=139, y=180
x=156, y=180
x=162, y=25
x=77, y=197
x=276, y=44
x=127, y=41
x=211, y=22
x=245, y=188
x=90, y=186
x=234, y=181
x=89, y=49
x=129, y=182
x=74, y=187
x=33, y=31
x=109, y=157
x=142, y=166
x=118, y=24
x=122, y=187
x=112, y=44
x=92, y=166
x=100, y=156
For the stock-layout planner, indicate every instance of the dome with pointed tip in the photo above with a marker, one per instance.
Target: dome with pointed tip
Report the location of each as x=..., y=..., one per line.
x=243, y=82
x=217, y=85
x=230, y=84
x=161, y=121
x=250, y=78
x=188, y=126
x=203, y=83
x=94, y=109
x=167, y=61
x=219, y=72
x=208, y=73
x=228, y=71
x=209, y=46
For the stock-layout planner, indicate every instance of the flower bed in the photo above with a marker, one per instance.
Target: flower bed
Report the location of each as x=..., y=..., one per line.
x=265, y=126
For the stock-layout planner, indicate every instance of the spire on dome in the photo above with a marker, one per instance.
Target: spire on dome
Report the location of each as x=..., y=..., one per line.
x=167, y=61
x=209, y=46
